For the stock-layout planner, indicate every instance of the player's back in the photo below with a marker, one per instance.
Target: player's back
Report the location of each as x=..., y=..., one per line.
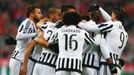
x=71, y=41
x=117, y=38
x=48, y=57
x=48, y=28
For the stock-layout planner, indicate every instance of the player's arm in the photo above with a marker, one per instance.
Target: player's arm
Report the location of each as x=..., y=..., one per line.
x=27, y=53
x=23, y=32
x=41, y=22
x=105, y=15
x=21, y=36
x=96, y=28
x=104, y=47
x=88, y=27
x=38, y=40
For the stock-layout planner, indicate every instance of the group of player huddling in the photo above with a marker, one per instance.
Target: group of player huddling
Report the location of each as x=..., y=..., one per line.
x=64, y=43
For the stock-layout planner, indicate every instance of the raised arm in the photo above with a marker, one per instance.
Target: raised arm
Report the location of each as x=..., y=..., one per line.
x=105, y=15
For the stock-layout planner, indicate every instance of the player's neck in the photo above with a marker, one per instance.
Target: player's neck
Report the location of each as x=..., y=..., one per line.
x=32, y=19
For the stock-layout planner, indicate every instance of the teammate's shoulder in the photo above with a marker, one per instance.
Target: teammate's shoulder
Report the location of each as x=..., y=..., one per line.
x=59, y=24
x=91, y=22
x=47, y=25
x=108, y=22
x=117, y=22
x=26, y=22
x=82, y=30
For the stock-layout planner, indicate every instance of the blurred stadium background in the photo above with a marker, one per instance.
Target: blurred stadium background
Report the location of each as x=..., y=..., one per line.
x=12, y=12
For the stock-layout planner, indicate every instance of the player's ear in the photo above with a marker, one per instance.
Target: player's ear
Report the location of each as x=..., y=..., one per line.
x=32, y=14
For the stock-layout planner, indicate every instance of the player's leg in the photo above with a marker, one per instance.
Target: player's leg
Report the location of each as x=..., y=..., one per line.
x=67, y=73
x=118, y=71
x=89, y=71
x=75, y=73
x=62, y=73
x=37, y=69
x=30, y=67
x=41, y=69
x=14, y=66
x=47, y=70
x=104, y=70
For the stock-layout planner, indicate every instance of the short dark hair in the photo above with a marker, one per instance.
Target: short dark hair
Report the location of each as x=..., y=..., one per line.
x=71, y=18
x=31, y=9
x=120, y=13
x=95, y=16
x=65, y=7
x=52, y=10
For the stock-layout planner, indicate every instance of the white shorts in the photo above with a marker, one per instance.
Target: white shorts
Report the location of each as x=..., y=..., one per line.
x=41, y=69
x=14, y=66
x=89, y=71
x=104, y=70
x=30, y=67
x=67, y=73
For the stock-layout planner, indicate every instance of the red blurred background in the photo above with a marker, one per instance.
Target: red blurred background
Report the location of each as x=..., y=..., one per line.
x=12, y=13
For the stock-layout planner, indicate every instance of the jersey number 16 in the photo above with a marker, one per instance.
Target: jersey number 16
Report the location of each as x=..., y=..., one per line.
x=69, y=42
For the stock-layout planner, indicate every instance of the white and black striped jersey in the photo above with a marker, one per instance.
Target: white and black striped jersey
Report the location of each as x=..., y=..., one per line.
x=26, y=31
x=48, y=57
x=70, y=41
x=90, y=54
x=116, y=40
x=91, y=57
x=48, y=28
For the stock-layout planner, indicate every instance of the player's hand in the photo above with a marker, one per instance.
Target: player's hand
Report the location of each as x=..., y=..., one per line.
x=94, y=7
x=113, y=69
x=121, y=62
x=23, y=70
x=41, y=22
x=54, y=47
x=105, y=27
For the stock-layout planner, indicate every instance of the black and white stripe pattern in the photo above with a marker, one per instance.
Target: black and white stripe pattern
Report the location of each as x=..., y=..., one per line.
x=105, y=27
x=89, y=38
x=114, y=58
x=26, y=26
x=89, y=60
x=69, y=64
x=48, y=59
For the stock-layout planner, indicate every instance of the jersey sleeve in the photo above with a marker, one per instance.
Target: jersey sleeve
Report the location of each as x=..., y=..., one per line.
x=88, y=38
x=105, y=15
x=104, y=47
x=97, y=39
x=24, y=31
x=88, y=27
x=54, y=38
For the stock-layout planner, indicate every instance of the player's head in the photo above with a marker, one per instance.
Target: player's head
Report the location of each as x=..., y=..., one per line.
x=54, y=14
x=67, y=8
x=94, y=14
x=71, y=18
x=34, y=12
x=118, y=14
x=85, y=17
